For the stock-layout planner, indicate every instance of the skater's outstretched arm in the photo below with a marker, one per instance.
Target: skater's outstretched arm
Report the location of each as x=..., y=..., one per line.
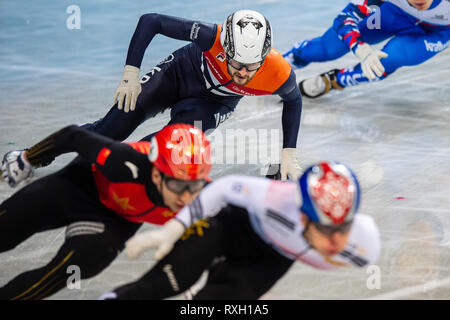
x=292, y=111
x=94, y=148
x=149, y=25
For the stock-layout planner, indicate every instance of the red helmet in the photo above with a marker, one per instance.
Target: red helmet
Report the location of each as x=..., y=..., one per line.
x=181, y=151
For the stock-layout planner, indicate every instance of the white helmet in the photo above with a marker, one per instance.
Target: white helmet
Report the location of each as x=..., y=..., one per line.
x=246, y=36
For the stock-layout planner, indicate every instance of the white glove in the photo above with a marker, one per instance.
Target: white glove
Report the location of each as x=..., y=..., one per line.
x=289, y=164
x=129, y=89
x=163, y=239
x=15, y=168
x=370, y=61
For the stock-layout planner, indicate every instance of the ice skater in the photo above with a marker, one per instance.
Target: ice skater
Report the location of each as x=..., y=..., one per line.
x=102, y=197
x=248, y=231
x=418, y=30
x=204, y=80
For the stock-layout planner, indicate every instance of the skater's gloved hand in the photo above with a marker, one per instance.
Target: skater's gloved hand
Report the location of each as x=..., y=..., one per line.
x=370, y=61
x=289, y=164
x=15, y=168
x=163, y=239
x=129, y=89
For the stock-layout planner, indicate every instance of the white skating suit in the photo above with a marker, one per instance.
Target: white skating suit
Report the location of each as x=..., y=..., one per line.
x=273, y=211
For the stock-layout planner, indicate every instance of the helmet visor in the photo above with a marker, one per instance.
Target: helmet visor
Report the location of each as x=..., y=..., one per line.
x=180, y=186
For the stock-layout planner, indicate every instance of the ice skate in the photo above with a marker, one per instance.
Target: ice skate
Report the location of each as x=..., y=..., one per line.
x=320, y=85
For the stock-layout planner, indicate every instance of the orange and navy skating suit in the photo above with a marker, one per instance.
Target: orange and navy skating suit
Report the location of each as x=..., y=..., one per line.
x=194, y=82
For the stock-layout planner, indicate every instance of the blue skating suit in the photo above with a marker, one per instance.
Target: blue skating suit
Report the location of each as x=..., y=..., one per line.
x=416, y=36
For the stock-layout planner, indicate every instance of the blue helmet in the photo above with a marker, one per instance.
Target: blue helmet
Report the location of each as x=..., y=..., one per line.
x=330, y=193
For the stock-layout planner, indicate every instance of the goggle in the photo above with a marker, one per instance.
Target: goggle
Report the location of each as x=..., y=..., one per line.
x=249, y=67
x=180, y=186
x=330, y=230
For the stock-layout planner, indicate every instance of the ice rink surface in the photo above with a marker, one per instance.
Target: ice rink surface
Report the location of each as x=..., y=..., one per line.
x=395, y=134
